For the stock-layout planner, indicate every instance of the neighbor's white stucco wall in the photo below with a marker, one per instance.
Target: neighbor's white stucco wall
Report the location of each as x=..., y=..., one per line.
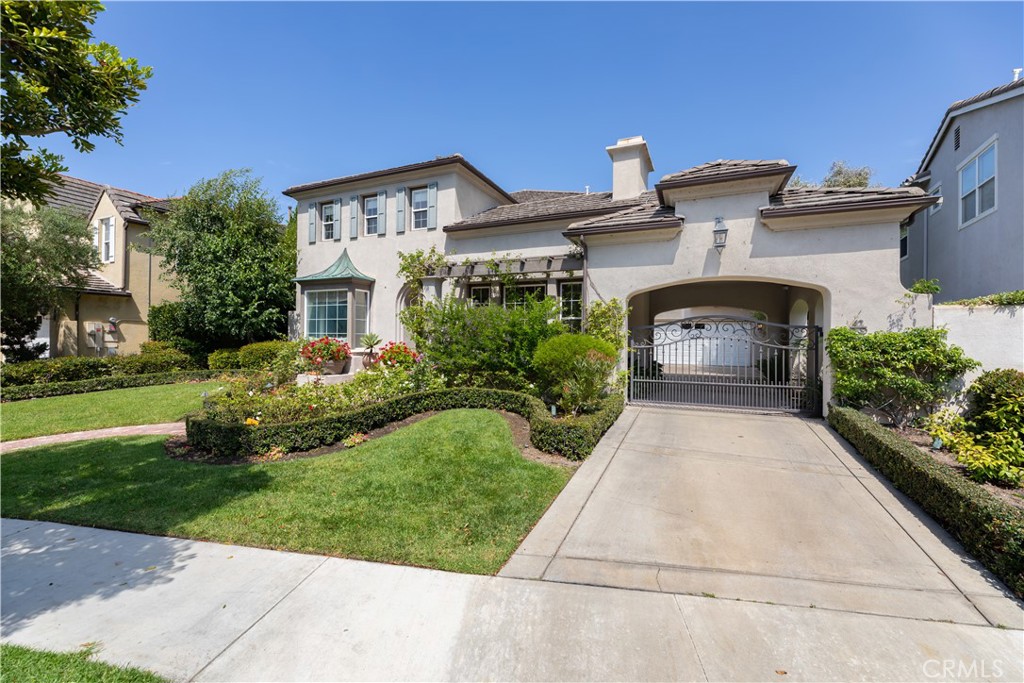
x=992, y=335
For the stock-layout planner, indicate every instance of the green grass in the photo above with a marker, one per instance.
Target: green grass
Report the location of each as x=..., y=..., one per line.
x=99, y=409
x=450, y=492
x=25, y=665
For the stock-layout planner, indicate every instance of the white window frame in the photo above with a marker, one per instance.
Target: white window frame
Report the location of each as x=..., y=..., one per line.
x=375, y=216
x=333, y=222
x=107, y=239
x=414, y=211
x=975, y=156
x=523, y=285
x=904, y=240
x=474, y=288
x=354, y=317
x=935, y=192
x=346, y=292
x=561, y=301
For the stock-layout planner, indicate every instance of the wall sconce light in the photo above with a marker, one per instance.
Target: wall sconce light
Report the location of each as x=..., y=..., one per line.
x=721, y=233
x=112, y=325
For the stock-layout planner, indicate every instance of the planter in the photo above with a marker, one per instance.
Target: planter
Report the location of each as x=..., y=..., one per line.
x=369, y=359
x=336, y=367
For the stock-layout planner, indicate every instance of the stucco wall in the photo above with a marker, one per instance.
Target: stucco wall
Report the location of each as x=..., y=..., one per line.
x=992, y=335
x=114, y=272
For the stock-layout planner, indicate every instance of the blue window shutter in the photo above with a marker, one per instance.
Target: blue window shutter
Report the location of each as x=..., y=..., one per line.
x=353, y=212
x=382, y=212
x=312, y=222
x=400, y=211
x=431, y=206
x=337, y=220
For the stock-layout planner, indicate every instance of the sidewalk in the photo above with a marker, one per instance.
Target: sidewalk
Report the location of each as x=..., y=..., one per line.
x=203, y=611
x=171, y=428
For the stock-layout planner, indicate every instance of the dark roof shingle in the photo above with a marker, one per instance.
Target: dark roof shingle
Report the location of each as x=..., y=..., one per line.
x=727, y=169
x=537, y=195
x=564, y=207
x=75, y=194
x=834, y=199
x=648, y=214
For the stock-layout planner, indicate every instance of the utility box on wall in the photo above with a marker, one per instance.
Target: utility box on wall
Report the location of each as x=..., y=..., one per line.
x=100, y=339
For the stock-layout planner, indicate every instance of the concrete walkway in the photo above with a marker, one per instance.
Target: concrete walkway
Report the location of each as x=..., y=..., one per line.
x=772, y=509
x=171, y=428
x=208, y=612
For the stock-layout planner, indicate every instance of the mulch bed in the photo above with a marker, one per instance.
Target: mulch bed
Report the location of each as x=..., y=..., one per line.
x=178, y=448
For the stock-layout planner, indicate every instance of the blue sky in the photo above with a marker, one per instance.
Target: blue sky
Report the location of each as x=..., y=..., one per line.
x=532, y=93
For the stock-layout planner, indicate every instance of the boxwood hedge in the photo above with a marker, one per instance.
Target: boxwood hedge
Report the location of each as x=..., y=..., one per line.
x=47, y=389
x=573, y=437
x=989, y=528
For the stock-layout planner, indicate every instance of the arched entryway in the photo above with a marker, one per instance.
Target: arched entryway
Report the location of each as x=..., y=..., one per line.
x=727, y=343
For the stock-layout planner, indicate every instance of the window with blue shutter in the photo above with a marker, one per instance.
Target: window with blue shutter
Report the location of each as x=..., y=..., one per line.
x=382, y=212
x=353, y=213
x=312, y=222
x=432, y=206
x=400, y=211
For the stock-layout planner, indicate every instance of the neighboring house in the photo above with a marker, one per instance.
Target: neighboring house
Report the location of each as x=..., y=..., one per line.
x=973, y=242
x=109, y=315
x=730, y=276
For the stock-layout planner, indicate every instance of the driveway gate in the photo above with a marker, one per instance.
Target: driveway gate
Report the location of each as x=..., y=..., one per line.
x=728, y=362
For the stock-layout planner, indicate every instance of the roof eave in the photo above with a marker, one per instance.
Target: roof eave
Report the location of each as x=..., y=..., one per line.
x=917, y=203
x=623, y=227
x=459, y=227
x=785, y=172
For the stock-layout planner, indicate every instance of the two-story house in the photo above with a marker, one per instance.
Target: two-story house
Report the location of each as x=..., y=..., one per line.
x=730, y=276
x=973, y=241
x=110, y=314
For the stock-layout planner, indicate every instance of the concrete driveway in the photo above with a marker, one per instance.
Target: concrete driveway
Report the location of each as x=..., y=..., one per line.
x=772, y=509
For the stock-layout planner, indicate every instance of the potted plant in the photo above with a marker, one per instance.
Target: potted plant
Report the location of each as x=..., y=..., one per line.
x=326, y=355
x=369, y=340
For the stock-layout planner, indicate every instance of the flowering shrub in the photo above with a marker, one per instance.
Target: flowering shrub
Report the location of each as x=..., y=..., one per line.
x=316, y=352
x=397, y=354
x=354, y=440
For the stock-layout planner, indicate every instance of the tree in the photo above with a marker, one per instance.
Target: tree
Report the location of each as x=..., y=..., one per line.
x=839, y=175
x=222, y=246
x=56, y=81
x=40, y=252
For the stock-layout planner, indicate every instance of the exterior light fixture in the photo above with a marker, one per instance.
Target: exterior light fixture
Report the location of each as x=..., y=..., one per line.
x=720, y=233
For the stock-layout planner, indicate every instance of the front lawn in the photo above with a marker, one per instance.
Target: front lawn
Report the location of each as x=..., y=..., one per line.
x=99, y=409
x=25, y=665
x=451, y=492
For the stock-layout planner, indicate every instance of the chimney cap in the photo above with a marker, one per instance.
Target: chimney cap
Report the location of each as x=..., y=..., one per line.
x=635, y=142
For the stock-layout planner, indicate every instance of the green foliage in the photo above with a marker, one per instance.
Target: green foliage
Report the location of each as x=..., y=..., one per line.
x=990, y=392
x=169, y=323
x=24, y=664
x=149, y=363
x=990, y=529
x=40, y=252
x=413, y=266
x=1015, y=298
x=900, y=374
x=574, y=370
x=923, y=286
x=56, y=80
x=573, y=437
x=840, y=174
x=74, y=368
x=223, y=359
x=261, y=355
x=222, y=244
x=482, y=345
x=157, y=347
x=85, y=386
x=370, y=340
x=606, y=320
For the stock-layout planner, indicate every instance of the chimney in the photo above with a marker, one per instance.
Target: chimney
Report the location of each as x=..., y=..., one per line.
x=631, y=162
x=1016, y=74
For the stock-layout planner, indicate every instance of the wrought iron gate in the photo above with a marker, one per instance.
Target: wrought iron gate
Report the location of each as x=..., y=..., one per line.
x=726, y=361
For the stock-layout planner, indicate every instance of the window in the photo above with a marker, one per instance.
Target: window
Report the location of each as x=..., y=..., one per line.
x=978, y=185
x=361, y=323
x=935, y=192
x=904, y=242
x=419, y=209
x=327, y=219
x=480, y=296
x=571, y=294
x=107, y=239
x=327, y=314
x=516, y=296
x=370, y=214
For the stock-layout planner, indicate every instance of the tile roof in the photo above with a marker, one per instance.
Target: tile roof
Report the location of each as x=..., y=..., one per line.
x=342, y=269
x=981, y=97
x=834, y=199
x=728, y=169
x=648, y=215
x=74, y=193
x=97, y=284
x=563, y=207
x=535, y=195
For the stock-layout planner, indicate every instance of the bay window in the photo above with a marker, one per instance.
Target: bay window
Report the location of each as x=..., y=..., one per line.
x=327, y=314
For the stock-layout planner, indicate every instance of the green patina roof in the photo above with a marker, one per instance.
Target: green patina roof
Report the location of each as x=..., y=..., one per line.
x=342, y=269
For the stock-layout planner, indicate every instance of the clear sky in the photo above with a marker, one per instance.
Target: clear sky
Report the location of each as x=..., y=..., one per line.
x=532, y=93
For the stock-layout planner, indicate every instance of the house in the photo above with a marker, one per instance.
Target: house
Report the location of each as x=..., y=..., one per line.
x=109, y=315
x=973, y=241
x=731, y=277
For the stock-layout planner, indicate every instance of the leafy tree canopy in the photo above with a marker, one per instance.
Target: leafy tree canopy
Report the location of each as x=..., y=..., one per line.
x=227, y=252
x=55, y=80
x=40, y=252
x=840, y=174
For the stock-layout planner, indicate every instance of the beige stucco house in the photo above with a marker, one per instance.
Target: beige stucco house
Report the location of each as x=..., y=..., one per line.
x=731, y=276
x=109, y=315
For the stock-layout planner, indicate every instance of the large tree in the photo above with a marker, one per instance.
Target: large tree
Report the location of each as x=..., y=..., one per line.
x=55, y=80
x=40, y=252
x=223, y=247
x=840, y=174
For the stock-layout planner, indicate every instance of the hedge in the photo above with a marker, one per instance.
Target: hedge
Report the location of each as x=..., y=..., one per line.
x=260, y=355
x=47, y=389
x=990, y=529
x=75, y=368
x=573, y=437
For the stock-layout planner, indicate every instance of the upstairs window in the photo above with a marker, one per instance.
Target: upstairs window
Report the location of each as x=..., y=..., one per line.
x=370, y=214
x=328, y=220
x=107, y=240
x=978, y=185
x=935, y=192
x=419, y=209
x=904, y=242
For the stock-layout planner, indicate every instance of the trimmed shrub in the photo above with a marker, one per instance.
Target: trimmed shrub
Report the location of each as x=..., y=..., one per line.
x=156, y=347
x=85, y=386
x=261, y=355
x=223, y=359
x=574, y=369
x=149, y=363
x=990, y=529
x=992, y=390
x=63, y=369
x=574, y=438
x=1014, y=298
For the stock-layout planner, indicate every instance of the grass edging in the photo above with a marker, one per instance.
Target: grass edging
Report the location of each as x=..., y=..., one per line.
x=84, y=386
x=990, y=529
x=572, y=437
